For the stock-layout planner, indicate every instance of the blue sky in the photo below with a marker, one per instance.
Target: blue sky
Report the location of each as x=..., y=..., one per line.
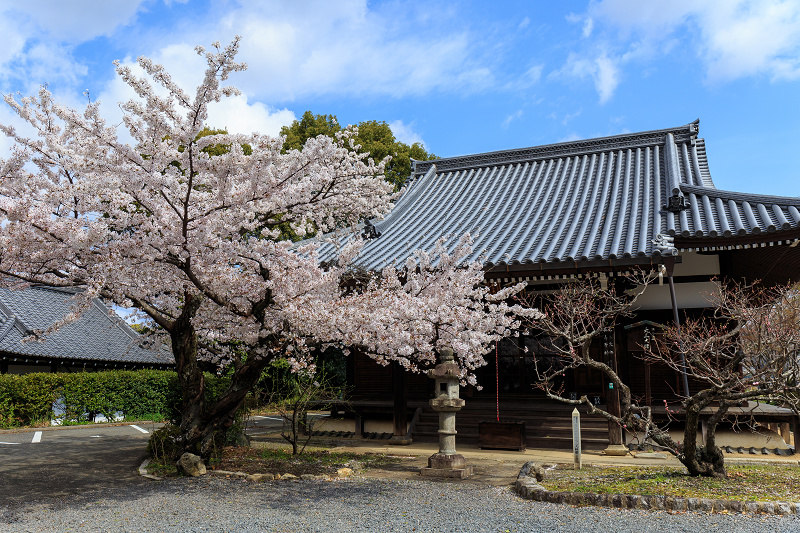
x=461, y=77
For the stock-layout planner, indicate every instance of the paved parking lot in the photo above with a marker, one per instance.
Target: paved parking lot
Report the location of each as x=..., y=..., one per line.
x=55, y=463
x=47, y=463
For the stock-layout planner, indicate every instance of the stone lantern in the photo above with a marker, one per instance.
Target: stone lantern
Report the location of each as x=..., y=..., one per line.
x=446, y=463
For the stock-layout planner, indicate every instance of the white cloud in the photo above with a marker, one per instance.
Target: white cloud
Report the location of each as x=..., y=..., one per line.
x=570, y=137
x=569, y=116
x=405, y=133
x=39, y=38
x=13, y=39
x=733, y=38
x=524, y=23
x=512, y=117
x=603, y=71
x=749, y=39
x=76, y=20
x=294, y=49
x=528, y=79
x=606, y=77
x=319, y=47
x=237, y=116
x=588, y=25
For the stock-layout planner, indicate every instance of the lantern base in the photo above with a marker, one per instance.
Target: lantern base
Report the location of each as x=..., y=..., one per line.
x=447, y=466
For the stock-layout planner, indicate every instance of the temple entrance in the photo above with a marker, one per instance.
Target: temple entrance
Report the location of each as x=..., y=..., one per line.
x=512, y=370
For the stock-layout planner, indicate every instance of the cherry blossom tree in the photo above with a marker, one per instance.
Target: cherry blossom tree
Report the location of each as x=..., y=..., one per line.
x=433, y=301
x=192, y=238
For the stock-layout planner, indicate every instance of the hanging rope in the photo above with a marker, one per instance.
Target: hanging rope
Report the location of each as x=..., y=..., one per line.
x=497, y=379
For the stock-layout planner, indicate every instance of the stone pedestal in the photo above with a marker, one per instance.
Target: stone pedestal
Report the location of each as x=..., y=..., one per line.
x=452, y=466
x=616, y=450
x=400, y=440
x=447, y=463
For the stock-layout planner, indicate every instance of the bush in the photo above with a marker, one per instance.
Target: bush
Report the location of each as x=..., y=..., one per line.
x=164, y=445
x=28, y=399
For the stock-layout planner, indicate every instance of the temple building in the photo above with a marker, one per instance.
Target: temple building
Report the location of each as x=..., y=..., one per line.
x=587, y=208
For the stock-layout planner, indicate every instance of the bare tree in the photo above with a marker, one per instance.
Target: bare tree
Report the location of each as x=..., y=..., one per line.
x=744, y=349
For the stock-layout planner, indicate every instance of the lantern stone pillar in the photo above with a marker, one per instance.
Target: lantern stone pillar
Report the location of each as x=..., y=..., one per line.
x=447, y=463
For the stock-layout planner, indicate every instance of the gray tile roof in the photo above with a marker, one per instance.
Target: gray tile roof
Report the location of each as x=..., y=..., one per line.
x=594, y=199
x=98, y=335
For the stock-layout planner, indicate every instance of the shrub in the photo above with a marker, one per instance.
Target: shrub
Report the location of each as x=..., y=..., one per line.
x=164, y=444
x=28, y=398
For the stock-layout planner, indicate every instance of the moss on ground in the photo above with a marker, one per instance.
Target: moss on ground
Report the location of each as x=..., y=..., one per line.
x=744, y=482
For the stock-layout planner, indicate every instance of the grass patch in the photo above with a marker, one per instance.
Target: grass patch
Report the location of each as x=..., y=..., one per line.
x=744, y=482
x=278, y=460
x=162, y=468
x=281, y=461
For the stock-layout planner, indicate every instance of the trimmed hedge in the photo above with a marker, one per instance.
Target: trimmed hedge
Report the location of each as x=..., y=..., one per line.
x=28, y=398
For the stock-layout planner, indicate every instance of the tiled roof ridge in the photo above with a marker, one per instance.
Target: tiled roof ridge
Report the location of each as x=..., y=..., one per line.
x=571, y=148
x=740, y=196
x=113, y=318
x=24, y=328
x=117, y=321
x=109, y=339
x=54, y=288
x=6, y=326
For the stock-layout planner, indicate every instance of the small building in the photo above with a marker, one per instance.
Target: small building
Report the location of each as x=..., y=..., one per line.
x=98, y=340
x=587, y=208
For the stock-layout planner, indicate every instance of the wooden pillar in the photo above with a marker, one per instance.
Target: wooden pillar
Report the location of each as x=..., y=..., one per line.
x=795, y=432
x=616, y=447
x=784, y=432
x=400, y=405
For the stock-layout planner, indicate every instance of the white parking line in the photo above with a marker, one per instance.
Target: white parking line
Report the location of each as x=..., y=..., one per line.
x=37, y=437
x=9, y=442
x=137, y=428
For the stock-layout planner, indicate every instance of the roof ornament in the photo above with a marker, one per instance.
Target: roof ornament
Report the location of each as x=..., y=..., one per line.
x=665, y=245
x=676, y=203
x=370, y=231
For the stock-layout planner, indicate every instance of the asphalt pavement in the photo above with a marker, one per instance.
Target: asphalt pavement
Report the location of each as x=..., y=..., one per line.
x=38, y=464
x=53, y=463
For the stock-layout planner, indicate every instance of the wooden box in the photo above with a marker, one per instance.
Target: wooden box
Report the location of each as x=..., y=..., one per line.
x=503, y=435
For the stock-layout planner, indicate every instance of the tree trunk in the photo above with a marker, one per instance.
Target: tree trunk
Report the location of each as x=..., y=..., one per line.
x=201, y=424
x=222, y=414
x=706, y=460
x=190, y=377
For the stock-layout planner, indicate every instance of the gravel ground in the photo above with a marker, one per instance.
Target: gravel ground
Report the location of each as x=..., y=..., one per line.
x=360, y=504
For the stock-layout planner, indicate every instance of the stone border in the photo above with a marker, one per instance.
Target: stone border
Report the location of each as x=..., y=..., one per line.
x=527, y=487
x=143, y=471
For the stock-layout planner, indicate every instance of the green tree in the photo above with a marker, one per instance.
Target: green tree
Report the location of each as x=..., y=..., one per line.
x=375, y=138
x=310, y=125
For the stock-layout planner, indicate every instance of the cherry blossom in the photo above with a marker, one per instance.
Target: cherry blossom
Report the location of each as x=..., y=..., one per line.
x=196, y=242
